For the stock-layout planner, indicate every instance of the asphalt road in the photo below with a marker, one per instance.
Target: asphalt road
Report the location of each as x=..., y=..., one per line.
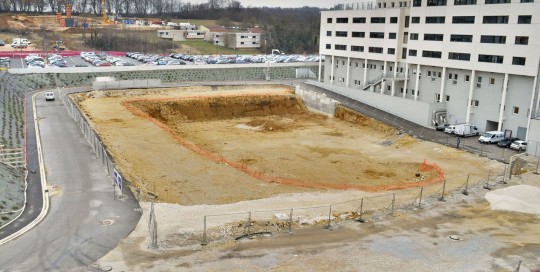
x=85, y=221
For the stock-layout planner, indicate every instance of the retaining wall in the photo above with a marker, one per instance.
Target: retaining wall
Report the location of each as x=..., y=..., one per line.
x=317, y=101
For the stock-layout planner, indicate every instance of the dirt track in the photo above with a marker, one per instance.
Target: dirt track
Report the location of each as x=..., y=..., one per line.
x=277, y=138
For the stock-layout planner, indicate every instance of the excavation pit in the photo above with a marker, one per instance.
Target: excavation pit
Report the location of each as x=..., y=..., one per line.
x=219, y=145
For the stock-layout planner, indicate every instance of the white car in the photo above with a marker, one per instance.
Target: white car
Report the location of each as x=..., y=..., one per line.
x=519, y=145
x=49, y=96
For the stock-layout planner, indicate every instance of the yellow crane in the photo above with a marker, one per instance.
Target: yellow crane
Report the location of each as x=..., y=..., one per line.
x=105, y=18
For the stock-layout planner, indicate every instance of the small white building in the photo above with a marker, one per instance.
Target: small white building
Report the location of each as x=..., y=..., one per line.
x=238, y=40
x=181, y=35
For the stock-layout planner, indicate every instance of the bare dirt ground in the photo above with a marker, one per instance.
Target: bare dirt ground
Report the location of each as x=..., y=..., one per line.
x=190, y=158
x=202, y=145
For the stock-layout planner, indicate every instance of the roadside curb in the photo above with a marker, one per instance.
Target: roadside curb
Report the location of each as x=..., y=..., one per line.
x=45, y=193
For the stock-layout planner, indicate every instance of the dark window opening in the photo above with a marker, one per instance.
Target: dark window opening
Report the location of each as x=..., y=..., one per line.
x=492, y=39
x=490, y=58
x=358, y=34
x=459, y=56
x=435, y=20
x=431, y=54
x=460, y=38
x=463, y=20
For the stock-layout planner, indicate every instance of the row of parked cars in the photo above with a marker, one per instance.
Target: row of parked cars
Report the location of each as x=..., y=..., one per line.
x=103, y=59
x=153, y=59
x=5, y=62
x=489, y=137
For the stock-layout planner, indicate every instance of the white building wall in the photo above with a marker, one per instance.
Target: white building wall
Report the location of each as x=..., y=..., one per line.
x=461, y=97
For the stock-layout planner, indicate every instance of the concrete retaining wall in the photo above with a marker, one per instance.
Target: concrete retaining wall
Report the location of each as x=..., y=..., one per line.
x=126, y=84
x=317, y=101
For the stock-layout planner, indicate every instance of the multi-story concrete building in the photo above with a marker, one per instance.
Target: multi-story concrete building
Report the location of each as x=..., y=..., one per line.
x=455, y=61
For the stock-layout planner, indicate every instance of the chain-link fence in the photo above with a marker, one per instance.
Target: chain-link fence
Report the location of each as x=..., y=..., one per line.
x=249, y=224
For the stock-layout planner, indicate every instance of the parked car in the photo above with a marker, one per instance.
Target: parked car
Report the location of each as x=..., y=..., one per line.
x=2, y=43
x=49, y=96
x=506, y=142
x=450, y=129
x=441, y=127
x=519, y=145
x=491, y=137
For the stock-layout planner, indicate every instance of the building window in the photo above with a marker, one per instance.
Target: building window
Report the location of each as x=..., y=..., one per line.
x=479, y=82
x=328, y=20
x=463, y=20
x=522, y=40
x=342, y=20
x=460, y=38
x=357, y=48
x=497, y=1
x=431, y=54
x=328, y=33
x=407, y=21
x=490, y=58
x=518, y=61
x=393, y=20
x=414, y=36
x=435, y=20
x=404, y=53
x=447, y=98
x=375, y=50
x=392, y=35
x=527, y=1
x=341, y=33
x=437, y=97
x=475, y=103
x=495, y=20
x=435, y=3
x=340, y=47
x=515, y=110
x=355, y=34
x=359, y=20
x=412, y=52
x=417, y=3
x=491, y=81
x=464, y=2
x=467, y=78
x=391, y=51
x=328, y=46
x=378, y=20
x=415, y=20
x=376, y=35
x=459, y=56
x=433, y=37
x=493, y=39
x=524, y=19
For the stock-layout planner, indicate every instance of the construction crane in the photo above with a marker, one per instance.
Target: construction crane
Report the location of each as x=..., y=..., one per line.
x=105, y=18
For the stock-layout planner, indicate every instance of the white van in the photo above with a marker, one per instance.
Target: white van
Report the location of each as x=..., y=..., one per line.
x=465, y=130
x=20, y=42
x=491, y=137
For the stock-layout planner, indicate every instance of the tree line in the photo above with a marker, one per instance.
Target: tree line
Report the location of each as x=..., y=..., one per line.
x=290, y=30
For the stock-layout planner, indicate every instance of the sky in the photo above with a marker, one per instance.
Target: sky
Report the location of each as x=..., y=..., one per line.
x=284, y=3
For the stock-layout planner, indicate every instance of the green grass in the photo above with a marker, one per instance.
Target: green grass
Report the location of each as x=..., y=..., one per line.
x=207, y=48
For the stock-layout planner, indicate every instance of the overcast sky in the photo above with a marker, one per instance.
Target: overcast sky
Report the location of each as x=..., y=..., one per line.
x=284, y=3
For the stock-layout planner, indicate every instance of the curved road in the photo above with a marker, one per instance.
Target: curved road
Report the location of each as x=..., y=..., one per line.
x=75, y=233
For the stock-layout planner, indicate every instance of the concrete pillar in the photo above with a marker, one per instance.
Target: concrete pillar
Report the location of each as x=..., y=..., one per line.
x=320, y=67
x=531, y=113
x=365, y=71
x=406, y=80
x=332, y=70
x=471, y=88
x=383, y=83
x=393, y=90
x=417, y=82
x=443, y=80
x=503, y=101
x=348, y=71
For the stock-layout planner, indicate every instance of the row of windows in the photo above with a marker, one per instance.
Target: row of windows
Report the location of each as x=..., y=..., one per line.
x=434, y=3
x=362, y=20
x=430, y=54
x=498, y=19
x=356, y=34
x=522, y=40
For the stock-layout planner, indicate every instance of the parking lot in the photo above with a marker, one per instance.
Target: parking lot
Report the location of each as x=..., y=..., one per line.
x=97, y=59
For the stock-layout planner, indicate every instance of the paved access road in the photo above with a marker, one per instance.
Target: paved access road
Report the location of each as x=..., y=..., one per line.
x=73, y=234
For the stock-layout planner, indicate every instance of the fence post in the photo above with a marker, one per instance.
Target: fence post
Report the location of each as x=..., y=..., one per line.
x=420, y=197
x=465, y=192
x=249, y=225
x=504, y=175
x=204, y=241
x=519, y=266
x=537, y=163
x=361, y=211
x=290, y=221
x=486, y=185
x=393, y=203
x=443, y=189
x=328, y=226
